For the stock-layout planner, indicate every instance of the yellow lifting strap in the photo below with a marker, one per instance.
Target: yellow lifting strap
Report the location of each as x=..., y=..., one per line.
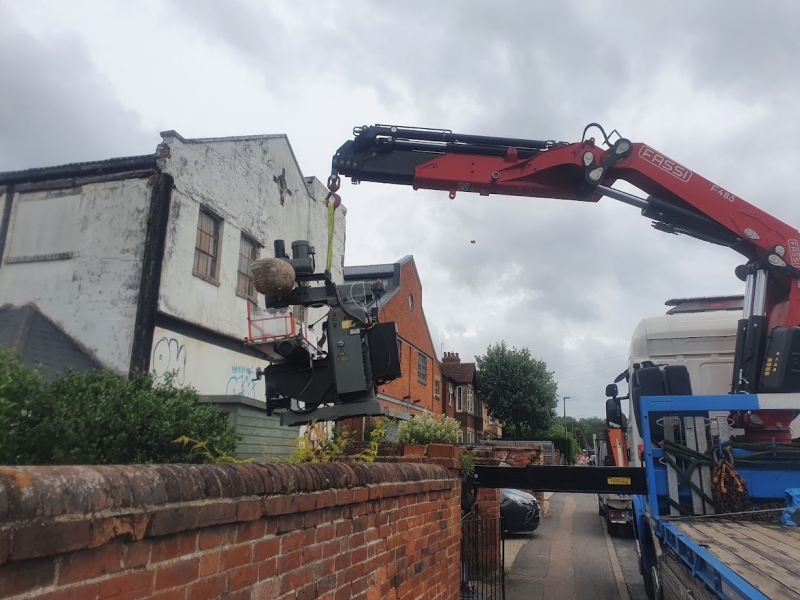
x=333, y=187
x=331, y=227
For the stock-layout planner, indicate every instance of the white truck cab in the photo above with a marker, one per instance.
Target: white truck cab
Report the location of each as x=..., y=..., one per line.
x=699, y=333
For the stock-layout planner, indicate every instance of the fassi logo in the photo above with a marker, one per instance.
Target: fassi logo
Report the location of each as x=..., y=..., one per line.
x=794, y=252
x=677, y=170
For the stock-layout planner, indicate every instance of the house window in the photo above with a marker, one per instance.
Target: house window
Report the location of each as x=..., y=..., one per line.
x=436, y=388
x=471, y=437
x=460, y=436
x=206, y=251
x=450, y=394
x=422, y=368
x=248, y=252
x=459, y=401
x=470, y=401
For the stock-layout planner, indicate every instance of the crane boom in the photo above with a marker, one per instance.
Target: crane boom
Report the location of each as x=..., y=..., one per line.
x=679, y=201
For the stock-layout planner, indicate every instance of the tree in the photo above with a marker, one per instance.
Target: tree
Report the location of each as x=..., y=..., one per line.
x=517, y=388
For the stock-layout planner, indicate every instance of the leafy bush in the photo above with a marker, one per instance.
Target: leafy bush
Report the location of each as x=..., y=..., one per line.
x=17, y=384
x=429, y=430
x=327, y=446
x=99, y=417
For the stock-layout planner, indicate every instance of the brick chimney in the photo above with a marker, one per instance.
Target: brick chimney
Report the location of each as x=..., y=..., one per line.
x=451, y=357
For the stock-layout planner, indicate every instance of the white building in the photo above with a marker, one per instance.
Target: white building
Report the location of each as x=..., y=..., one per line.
x=144, y=260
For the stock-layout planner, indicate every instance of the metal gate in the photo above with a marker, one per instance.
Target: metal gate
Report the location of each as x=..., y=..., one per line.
x=482, y=558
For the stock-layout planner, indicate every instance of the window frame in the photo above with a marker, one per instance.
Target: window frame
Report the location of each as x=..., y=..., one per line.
x=459, y=399
x=450, y=393
x=470, y=436
x=460, y=436
x=422, y=368
x=437, y=388
x=251, y=294
x=470, y=400
x=219, y=222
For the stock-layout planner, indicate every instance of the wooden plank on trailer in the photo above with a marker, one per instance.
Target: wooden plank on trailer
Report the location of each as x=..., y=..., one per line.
x=691, y=443
x=779, y=557
x=764, y=583
x=705, y=470
x=782, y=543
x=766, y=575
x=672, y=475
x=780, y=536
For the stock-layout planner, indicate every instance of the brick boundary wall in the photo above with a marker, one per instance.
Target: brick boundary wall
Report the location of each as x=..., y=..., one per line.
x=233, y=532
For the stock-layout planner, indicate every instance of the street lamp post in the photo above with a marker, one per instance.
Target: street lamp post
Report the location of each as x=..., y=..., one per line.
x=565, y=415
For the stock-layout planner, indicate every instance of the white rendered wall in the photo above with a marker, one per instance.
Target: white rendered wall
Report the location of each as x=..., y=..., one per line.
x=77, y=253
x=234, y=178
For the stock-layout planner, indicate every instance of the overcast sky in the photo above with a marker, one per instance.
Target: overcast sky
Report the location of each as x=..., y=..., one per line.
x=712, y=84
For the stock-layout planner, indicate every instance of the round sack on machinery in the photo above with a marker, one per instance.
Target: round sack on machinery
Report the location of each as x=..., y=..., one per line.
x=273, y=277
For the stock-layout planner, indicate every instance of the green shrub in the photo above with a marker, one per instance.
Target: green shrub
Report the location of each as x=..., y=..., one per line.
x=428, y=430
x=99, y=417
x=18, y=384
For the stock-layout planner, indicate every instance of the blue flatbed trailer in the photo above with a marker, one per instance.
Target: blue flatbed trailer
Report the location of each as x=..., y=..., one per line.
x=710, y=556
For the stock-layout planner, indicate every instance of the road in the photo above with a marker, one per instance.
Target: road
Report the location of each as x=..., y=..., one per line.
x=568, y=557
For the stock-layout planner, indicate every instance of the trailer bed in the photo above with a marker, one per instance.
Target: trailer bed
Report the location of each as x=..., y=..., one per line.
x=767, y=556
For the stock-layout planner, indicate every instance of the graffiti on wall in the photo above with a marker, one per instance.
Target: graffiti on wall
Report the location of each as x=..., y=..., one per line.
x=241, y=382
x=169, y=359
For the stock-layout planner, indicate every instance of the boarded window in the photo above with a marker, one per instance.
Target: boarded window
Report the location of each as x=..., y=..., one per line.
x=44, y=229
x=248, y=252
x=206, y=251
x=422, y=368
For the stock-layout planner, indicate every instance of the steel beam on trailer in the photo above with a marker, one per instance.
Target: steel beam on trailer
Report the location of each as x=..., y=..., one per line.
x=578, y=479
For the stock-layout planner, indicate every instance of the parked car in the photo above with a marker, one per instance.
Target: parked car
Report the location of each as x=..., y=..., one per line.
x=520, y=511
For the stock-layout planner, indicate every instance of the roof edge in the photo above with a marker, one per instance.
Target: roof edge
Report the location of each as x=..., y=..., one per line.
x=81, y=169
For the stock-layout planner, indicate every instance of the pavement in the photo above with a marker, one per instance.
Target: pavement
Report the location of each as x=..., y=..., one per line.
x=571, y=557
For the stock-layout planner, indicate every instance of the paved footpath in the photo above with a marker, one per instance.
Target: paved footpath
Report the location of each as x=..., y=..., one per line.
x=571, y=557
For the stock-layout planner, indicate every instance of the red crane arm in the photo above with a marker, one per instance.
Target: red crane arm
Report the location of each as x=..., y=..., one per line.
x=680, y=201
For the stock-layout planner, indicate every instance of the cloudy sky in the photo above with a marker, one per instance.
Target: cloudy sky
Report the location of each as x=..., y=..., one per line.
x=712, y=84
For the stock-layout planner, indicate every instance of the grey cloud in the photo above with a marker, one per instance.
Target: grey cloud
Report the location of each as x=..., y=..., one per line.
x=55, y=107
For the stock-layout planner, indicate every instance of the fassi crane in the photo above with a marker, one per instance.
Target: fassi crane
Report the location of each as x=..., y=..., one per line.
x=679, y=202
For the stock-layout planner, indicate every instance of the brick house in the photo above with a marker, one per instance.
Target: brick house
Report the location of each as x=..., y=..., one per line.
x=418, y=390
x=460, y=382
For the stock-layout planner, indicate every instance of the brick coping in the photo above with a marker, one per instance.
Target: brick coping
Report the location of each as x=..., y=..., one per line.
x=51, y=510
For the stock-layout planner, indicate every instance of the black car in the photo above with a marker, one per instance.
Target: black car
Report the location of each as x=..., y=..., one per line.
x=520, y=511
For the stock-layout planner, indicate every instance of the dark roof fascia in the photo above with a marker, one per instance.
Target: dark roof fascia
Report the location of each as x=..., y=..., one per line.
x=85, y=169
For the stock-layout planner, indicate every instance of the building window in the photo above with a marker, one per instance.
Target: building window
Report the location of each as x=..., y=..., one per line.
x=206, y=251
x=470, y=401
x=459, y=400
x=411, y=302
x=450, y=394
x=436, y=388
x=422, y=368
x=460, y=436
x=471, y=437
x=248, y=252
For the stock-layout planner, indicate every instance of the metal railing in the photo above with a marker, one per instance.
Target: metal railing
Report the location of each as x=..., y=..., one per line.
x=482, y=558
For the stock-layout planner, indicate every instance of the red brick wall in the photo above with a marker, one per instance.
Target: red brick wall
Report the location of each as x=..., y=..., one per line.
x=233, y=532
x=413, y=327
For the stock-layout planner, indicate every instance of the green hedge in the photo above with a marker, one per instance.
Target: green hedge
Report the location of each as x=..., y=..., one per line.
x=99, y=417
